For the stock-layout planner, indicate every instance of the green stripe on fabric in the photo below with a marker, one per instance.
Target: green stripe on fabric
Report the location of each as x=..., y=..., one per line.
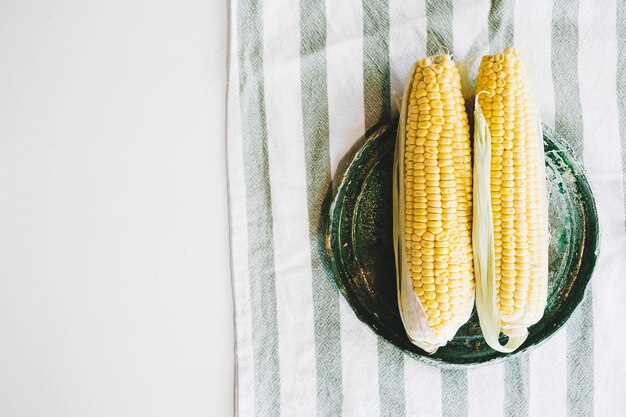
x=439, y=32
x=580, y=359
x=569, y=125
x=376, y=73
x=391, y=380
x=501, y=28
x=516, y=370
x=439, y=39
x=259, y=210
x=317, y=158
x=568, y=110
x=454, y=393
x=377, y=105
x=621, y=84
x=517, y=386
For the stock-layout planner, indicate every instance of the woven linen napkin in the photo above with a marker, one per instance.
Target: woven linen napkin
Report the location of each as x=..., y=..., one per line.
x=306, y=80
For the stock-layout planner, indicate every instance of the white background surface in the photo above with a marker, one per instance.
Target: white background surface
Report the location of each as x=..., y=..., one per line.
x=115, y=295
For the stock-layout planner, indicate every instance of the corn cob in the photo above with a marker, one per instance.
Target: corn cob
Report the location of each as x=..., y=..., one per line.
x=511, y=236
x=432, y=205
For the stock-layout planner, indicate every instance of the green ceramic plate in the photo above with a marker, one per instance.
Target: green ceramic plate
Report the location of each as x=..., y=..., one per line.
x=359, y=244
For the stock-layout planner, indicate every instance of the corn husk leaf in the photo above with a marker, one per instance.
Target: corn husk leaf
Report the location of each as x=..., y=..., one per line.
x=483, y=242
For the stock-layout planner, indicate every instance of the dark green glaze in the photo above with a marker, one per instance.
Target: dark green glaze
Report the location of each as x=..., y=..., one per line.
x=359, y=245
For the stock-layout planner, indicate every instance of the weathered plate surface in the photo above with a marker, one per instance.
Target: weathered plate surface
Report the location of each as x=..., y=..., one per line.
x=359, y=245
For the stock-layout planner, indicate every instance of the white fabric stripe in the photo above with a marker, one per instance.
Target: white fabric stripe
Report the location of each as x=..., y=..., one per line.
x=292, y=256
x=407, y=41
x=471, y=33
x=359, y=359
x=239, y=240
x=359, y=345
x=602, y=156
x=344, y=56
x=471, y=39
x=533, y=37
x=423, y=395
x=548, y=377
x=486, y=391
x=239, y=251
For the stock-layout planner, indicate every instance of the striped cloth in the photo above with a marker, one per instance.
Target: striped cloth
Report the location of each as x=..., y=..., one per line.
x=306, y=80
